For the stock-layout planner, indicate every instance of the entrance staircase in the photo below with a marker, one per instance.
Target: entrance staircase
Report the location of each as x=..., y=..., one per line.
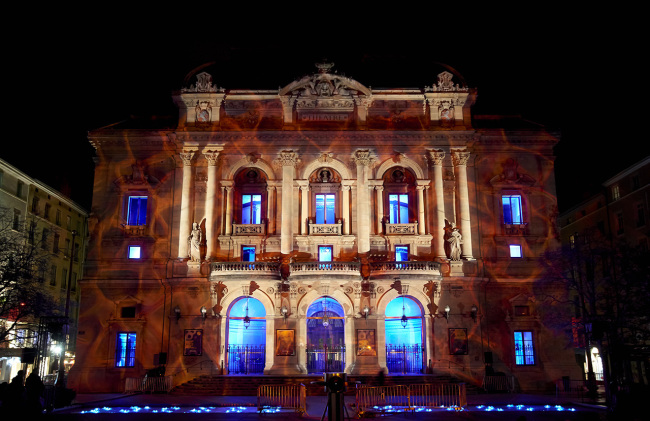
x=235, y=385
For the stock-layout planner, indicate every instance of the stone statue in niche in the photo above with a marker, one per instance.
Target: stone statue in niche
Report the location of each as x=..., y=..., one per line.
x=195, y=243
x=454, y=240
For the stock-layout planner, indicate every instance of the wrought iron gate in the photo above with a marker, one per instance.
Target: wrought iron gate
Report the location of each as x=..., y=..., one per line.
x=246, y=359
x=326, y=359
x=405, y=359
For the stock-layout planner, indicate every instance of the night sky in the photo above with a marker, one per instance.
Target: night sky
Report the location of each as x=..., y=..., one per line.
x=576, y=76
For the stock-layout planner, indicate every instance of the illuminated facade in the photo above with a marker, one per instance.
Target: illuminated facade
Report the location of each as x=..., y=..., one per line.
x=50, y=218
x=324, y=226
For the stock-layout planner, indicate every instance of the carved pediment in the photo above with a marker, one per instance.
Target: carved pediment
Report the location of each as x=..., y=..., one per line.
x=137, y=179
x=510, y=175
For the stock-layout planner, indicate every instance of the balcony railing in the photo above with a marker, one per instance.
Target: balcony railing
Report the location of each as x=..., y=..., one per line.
x=248, y=229
x=271, y=267
x=401, y=229
x=405, y=266
x=325, y=229
x=308, y=267
x=134, y=230
x=515, y=229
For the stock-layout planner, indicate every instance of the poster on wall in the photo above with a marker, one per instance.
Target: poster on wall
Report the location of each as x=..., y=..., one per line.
x=193, y=342
x=285, y=344
x=366, y=344
x=458, y=342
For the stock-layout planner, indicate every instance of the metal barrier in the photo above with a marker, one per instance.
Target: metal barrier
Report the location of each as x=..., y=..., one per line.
x=499, y=384
x=246, y=359
x=409, y=397
x=438, y=395
x=148, y=384
x=285, y=396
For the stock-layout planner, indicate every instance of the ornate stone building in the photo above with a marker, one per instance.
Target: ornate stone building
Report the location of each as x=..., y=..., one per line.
x=323, y=226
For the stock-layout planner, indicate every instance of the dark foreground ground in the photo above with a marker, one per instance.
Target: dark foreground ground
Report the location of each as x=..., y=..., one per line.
x=516, y=407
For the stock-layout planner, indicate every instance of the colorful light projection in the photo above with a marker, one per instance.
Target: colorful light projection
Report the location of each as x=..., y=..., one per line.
x=325, y=324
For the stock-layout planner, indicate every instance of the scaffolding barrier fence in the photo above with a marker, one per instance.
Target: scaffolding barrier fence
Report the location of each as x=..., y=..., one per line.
x=289, y=396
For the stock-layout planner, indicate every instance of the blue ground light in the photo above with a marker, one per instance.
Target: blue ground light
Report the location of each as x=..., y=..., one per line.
x=377, y=410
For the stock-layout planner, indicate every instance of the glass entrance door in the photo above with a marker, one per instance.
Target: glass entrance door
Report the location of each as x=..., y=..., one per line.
x=325, y=336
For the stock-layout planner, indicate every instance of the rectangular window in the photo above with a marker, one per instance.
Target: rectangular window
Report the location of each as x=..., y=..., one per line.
x=515, y=250
x=399, y=208
x=522, y=311
x=325, y=205
x=512, y=209
x=53, y=275
x=251, y=205
x=35, y=201
x=619, y=224
x=73, y=282
x=524, y=350
x=137, y=210
x=64, y=278
x=401, y=253
x=19, y=189
x=44, y=236
x=16, y=222
x=324, y=253
x=67, y=247
x=46, y=212
x=128, y=312
x=616, y=193
x=68, y=222
x=135, y=252
x=57, y=219
x=55, y=243
x=125, y=349
x=640, y=215
x=248, y=253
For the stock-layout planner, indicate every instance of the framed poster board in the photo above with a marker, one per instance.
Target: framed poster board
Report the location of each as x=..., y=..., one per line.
x=458, y=342
x=366, y=344
x=285, y=342
x=193, y=342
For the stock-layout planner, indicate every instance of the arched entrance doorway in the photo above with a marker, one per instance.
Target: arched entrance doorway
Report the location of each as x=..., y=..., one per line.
x=404, y=336
x=246, y=336
x=325, y=336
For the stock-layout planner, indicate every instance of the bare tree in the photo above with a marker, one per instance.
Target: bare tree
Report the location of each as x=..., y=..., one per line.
x=24, y=259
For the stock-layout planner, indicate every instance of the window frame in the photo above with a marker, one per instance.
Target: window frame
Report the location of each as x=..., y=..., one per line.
x=326, y=247
x=137, y=219
x=517, y=247
x=512, y=220
x=244, y=247
x=408, y=251
x=324, y=211
x=131, y=247
x=400, y=208
x=527, y=359
x=125, y=357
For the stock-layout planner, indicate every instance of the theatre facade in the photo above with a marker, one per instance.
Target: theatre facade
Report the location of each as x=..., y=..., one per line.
x=322, y=227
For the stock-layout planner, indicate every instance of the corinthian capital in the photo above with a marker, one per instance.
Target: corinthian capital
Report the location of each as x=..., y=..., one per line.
x=212, y=157
x=459, y=156
x=287, y=158
x=186, y=156
x=436, y=156
x=363, y=157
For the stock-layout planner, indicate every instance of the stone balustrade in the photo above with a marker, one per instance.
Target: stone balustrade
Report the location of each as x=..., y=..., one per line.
x=401, y=229
x=248, y=229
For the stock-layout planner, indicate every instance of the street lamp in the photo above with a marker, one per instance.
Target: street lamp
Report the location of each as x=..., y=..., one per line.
x=60, y=380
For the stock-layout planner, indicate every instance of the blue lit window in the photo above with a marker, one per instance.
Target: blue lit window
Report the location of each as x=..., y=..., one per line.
x=524, y=351
x=325, y=253
x=125, y=349
x=251, y=209
x=135, y=252
x=399, y=208
x=248, y=253
x=325, y=204
x=137, y=210
x=251, y=333
x=512, y=209
x=401, y=253
x=515, y=250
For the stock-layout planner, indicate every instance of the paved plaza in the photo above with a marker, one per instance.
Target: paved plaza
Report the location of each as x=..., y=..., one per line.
x=162, y=406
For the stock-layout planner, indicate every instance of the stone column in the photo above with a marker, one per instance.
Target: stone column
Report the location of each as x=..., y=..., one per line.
x=459, y=158
x=229, y=197
x=363, y=159
x=184, y=228
x=421, y=221
x=436, y=156
x=287, y=161
x=380, y=208
x=210, y=235
x=304, y=208
x=345, y=192
x=270, y=209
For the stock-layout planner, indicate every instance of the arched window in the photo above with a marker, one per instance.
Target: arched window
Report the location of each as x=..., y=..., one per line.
x=325, y=185
x=404, y=349
x=246, y=336
x=400, y=199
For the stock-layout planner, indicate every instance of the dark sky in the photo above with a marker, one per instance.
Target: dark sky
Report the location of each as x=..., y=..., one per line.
x=578, y=77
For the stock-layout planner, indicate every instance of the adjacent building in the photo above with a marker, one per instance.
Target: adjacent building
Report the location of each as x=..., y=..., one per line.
x=53, y=223
x=322, y=227
x=606, y=237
